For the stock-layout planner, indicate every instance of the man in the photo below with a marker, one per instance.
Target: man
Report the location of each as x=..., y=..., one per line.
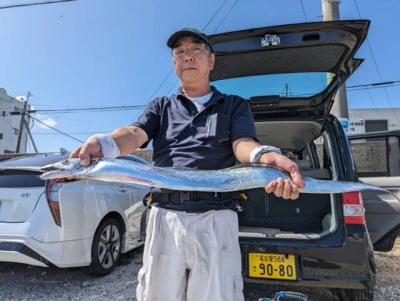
x=192, y=250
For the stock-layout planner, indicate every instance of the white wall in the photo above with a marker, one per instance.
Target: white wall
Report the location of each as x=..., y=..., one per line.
x=9, y=124
x=357, y=118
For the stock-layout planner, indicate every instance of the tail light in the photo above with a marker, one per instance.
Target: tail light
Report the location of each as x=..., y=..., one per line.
x=52, y=189
x=354, y=211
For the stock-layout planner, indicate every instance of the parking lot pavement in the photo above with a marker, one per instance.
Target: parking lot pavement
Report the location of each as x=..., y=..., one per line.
x=23, y=282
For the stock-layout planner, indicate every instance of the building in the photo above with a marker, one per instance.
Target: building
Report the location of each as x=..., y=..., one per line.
x=372, y=120
x=10, y=124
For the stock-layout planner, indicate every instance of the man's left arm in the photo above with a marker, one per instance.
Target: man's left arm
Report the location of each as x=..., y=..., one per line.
x=243, y=148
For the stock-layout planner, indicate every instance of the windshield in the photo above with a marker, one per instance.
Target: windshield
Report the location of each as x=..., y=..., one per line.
x=290, y=85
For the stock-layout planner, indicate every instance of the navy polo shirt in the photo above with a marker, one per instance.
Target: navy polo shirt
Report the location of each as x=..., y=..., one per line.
x=184, y=137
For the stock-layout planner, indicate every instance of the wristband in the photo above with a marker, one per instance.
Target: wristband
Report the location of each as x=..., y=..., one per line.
x=256, y=153
x=109, y=148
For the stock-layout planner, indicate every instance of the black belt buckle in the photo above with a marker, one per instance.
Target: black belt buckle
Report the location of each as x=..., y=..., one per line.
x=184, y=196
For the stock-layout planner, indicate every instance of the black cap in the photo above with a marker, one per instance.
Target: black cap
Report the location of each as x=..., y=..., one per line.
x=185, y=32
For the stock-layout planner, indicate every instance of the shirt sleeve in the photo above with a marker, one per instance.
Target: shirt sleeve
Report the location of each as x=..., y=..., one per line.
x=242, y=121
x=149, y=120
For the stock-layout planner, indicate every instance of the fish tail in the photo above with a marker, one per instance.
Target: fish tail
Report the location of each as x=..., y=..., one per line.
x=325, y=186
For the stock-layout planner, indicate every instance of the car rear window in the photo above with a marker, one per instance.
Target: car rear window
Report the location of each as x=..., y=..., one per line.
x=19, y=178
x=289, y=85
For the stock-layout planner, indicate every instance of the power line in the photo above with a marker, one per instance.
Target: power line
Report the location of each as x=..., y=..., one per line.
x=172, y=87
x=369, y=45
x=226, y=15
x=388, y=84
x=170, y=72
x=154, y=93
x=373, y=102
x=370, y=88
x=215, y=14
x=65, y=134
x=376, y=65
x=93, y=109
x=375, y=84
x=34, y=3
x=304, y=11
x=174, y=84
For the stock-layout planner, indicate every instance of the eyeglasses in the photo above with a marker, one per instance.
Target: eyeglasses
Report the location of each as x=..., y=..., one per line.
x=195, y=49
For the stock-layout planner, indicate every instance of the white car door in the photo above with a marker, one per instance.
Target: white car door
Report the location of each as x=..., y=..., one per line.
x=131, y=198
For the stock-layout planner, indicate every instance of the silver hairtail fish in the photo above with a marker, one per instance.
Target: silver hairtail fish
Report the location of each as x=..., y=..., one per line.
x=229, y=179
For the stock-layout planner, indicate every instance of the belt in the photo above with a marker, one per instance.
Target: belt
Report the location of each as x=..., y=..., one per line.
x=195, y=196
x=196, y=201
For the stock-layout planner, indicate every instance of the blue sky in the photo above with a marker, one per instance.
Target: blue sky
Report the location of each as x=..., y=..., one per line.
x=94, y=53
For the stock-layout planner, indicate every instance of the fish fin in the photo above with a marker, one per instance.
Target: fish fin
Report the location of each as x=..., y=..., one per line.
x=134, y=159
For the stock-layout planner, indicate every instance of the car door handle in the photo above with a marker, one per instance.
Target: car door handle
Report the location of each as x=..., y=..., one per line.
x=122, y=190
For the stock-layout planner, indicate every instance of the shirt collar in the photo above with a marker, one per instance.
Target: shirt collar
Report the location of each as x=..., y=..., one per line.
x=216, y=97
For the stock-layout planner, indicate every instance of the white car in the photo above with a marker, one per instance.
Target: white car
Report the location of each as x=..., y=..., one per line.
x=66, y=223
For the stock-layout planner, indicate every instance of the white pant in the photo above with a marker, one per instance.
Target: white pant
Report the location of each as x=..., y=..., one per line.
x=206, y=244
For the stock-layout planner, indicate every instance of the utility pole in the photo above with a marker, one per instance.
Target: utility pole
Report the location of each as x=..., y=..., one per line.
x=330, y=12
x=22, y=123
x=30, y=136
x=287, y=91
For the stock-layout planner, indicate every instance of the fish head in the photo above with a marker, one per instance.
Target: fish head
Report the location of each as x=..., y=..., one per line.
x=69, y=168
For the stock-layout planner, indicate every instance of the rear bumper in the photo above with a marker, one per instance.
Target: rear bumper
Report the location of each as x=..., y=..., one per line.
x=22, y=249
x=350, y=266
x=18, y=253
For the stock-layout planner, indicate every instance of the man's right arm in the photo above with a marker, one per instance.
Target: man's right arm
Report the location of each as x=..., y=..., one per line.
x=127, y=140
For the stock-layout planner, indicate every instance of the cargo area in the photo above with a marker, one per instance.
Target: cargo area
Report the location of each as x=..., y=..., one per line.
x=265, y=215
x=311, y=215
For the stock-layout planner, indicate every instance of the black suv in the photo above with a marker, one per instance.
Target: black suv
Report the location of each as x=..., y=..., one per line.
x=290, y=75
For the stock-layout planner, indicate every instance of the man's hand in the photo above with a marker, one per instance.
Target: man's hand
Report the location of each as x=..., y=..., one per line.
x=90, y=149
x=280, y=187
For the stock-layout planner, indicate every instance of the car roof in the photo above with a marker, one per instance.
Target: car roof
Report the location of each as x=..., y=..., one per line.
x=293, y=48
x=32, y=161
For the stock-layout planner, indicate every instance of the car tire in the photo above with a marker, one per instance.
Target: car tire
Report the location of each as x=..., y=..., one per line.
x=357, y=294
x=106, y=248
x=386, y=243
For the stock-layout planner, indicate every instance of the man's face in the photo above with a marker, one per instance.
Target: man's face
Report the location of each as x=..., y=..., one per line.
x=192, y=66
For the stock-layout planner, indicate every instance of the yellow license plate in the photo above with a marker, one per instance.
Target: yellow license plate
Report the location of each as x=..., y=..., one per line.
x=272, y=266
